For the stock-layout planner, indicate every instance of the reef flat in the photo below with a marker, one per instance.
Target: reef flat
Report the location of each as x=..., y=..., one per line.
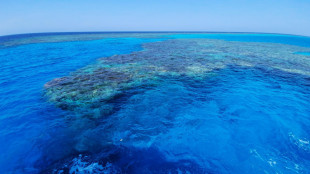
x=89, y=90
x=22, y=39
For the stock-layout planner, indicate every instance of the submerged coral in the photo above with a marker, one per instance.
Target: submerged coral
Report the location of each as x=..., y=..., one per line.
x=90, y=89
x=140, y=161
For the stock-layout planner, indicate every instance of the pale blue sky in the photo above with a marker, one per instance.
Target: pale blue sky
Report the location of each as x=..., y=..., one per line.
x=275, y=16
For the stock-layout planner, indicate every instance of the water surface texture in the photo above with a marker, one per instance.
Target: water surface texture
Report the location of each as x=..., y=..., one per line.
x=155, y=103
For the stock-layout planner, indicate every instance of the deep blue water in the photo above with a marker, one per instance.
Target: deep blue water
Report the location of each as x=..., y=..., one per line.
x=26, y=118
x=241, y=120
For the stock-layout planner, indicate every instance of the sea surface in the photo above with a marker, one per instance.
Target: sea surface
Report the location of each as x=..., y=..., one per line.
x=154, y=103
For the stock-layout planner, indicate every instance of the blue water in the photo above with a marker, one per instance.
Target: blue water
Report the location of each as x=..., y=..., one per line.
x=26, y=118
x=241, y=120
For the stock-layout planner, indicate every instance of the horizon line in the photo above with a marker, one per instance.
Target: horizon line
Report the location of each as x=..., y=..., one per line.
x=107, y=32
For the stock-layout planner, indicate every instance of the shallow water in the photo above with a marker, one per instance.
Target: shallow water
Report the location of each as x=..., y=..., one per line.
x=303, y=53
x=197, y=106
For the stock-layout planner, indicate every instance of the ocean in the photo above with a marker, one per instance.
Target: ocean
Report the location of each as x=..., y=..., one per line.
x=154, y=103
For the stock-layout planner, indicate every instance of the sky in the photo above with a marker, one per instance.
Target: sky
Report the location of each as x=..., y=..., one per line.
x=271, y=16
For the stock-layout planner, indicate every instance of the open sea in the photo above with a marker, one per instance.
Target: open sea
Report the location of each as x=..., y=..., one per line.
x=181, y=103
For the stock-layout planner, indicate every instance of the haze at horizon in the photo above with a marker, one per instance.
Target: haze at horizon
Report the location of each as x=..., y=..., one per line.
x=25, y=16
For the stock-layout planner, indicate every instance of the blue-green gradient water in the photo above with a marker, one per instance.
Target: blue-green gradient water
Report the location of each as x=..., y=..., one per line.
x=236, y=119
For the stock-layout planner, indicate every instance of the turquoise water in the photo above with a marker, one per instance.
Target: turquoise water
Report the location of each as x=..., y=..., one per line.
x=303, y=53
x=234, y=112
x=253, y=37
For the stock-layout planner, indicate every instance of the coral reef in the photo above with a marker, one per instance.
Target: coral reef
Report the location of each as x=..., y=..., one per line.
x=90, y=89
